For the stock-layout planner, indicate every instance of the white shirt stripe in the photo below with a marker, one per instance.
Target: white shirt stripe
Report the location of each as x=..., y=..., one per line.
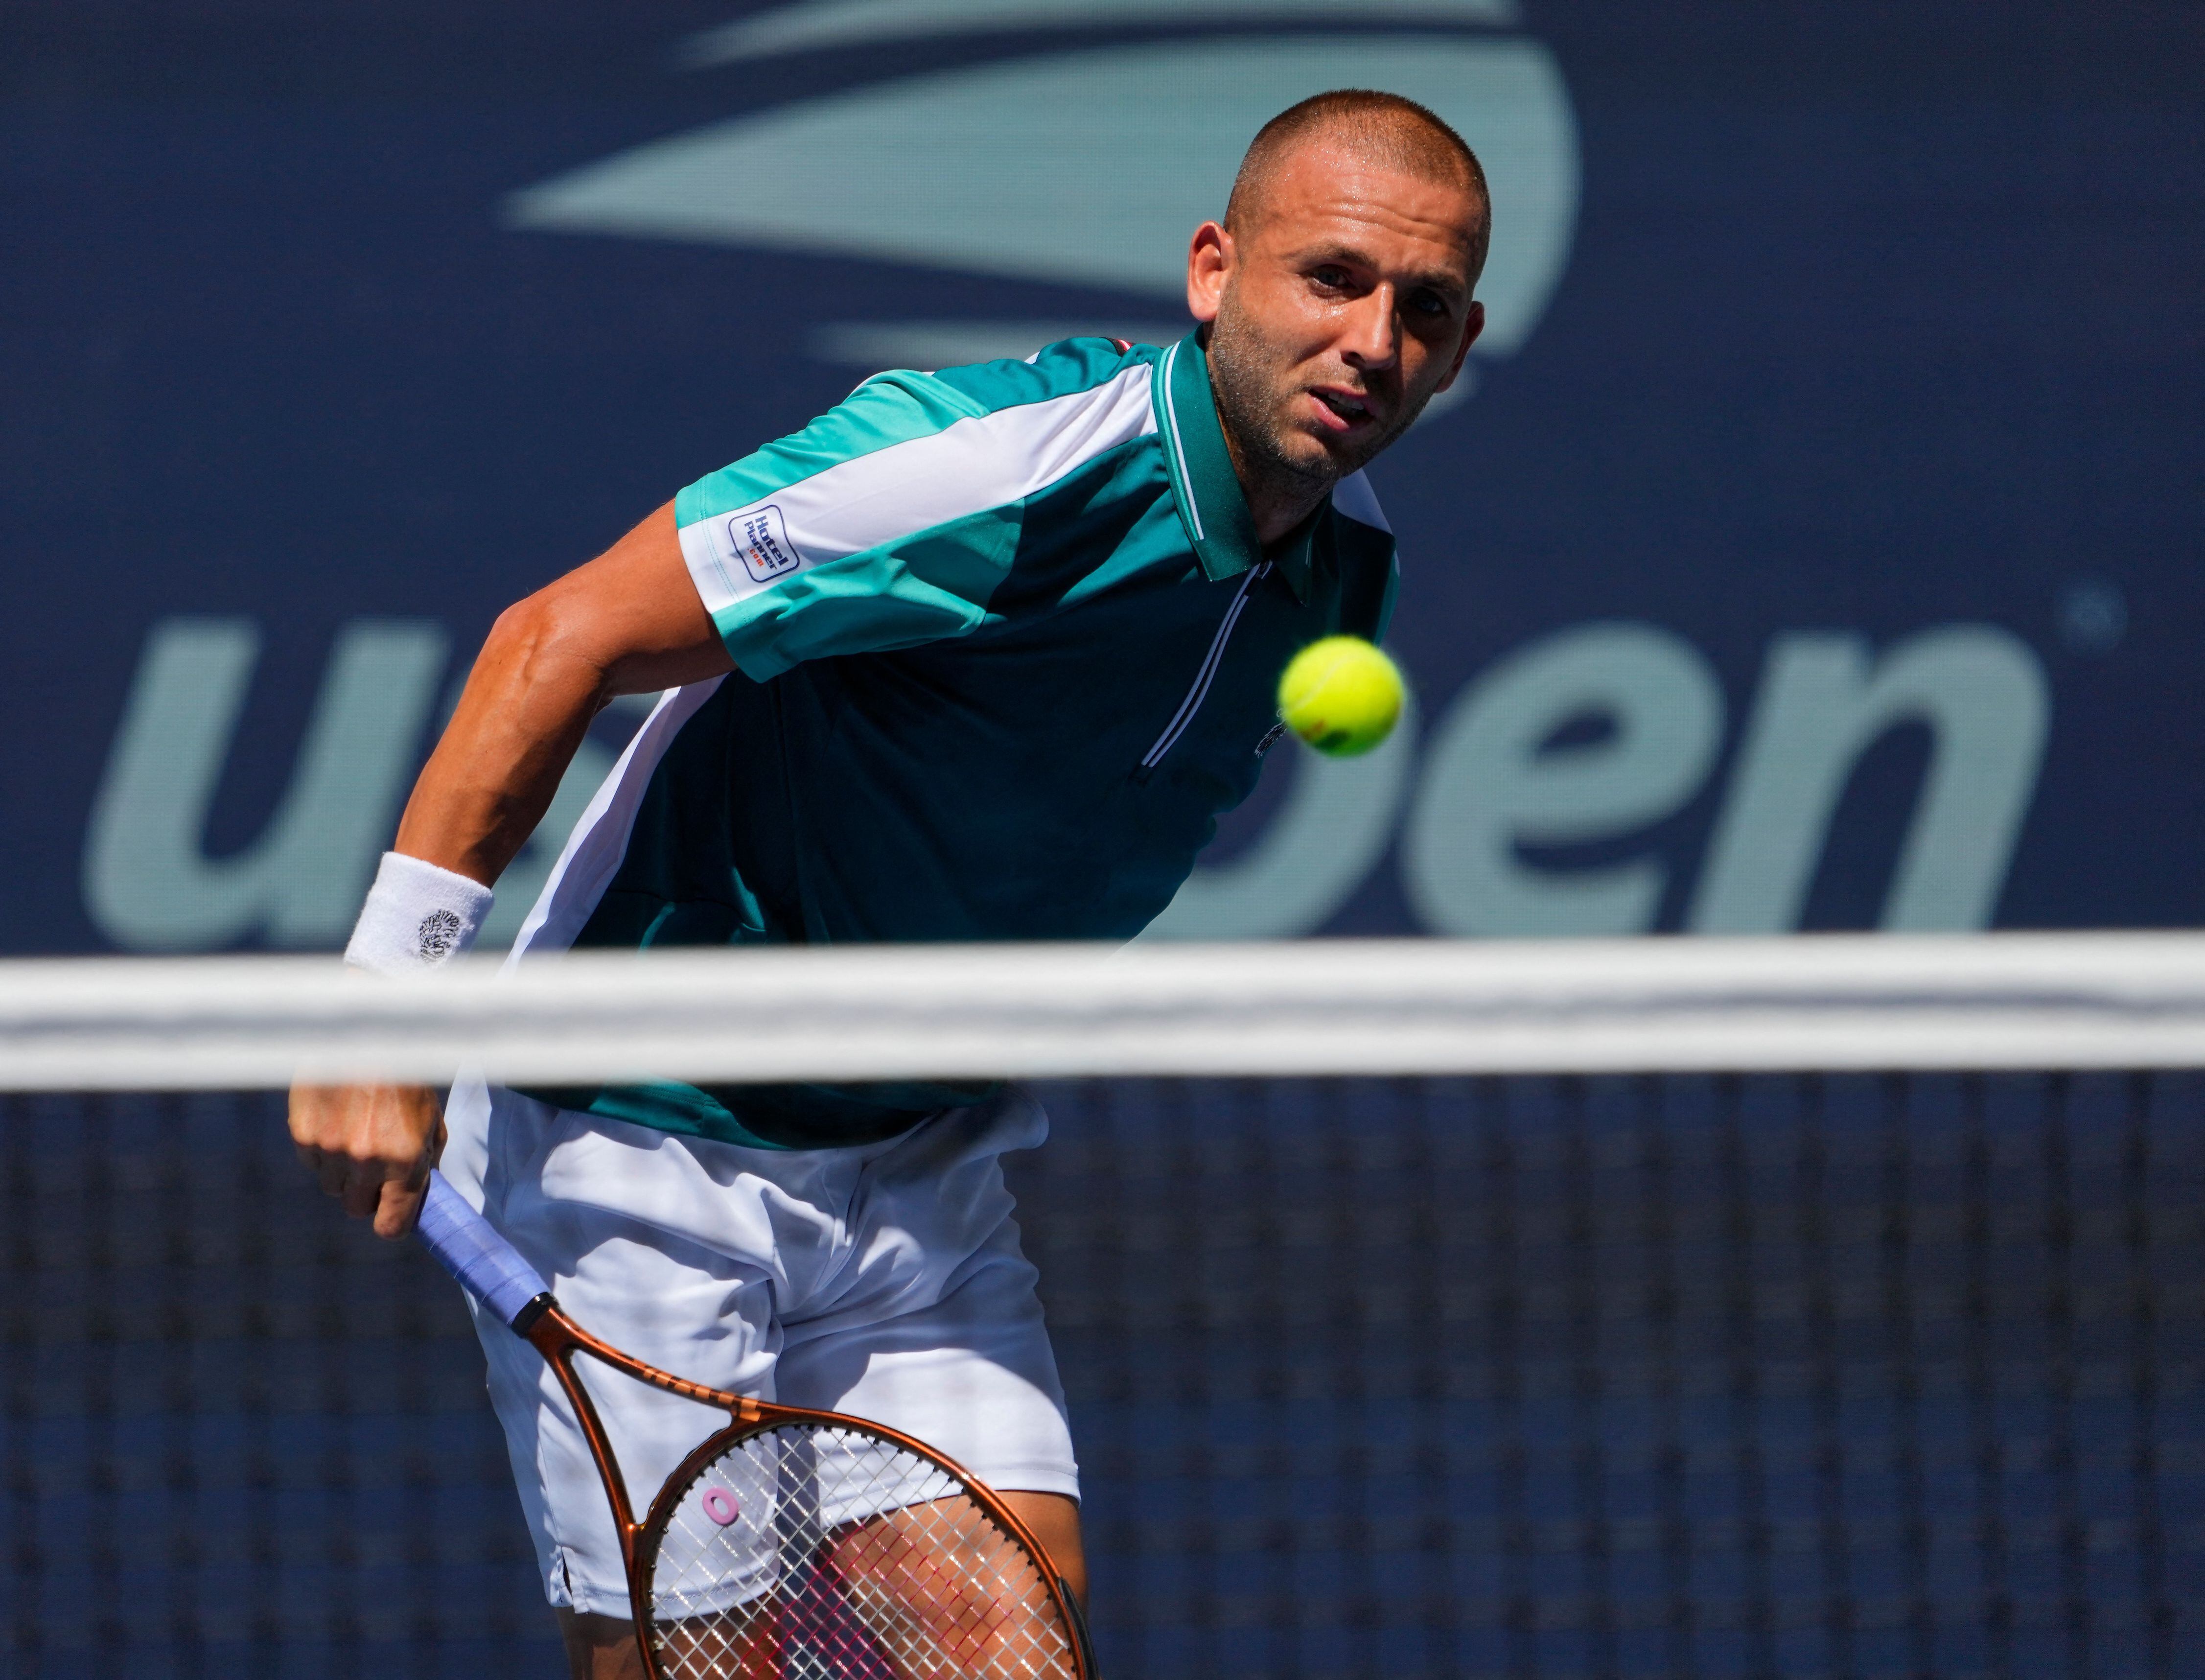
x=1179, y=448
x=1208, y=674
x=598, y=842
x=988, y=461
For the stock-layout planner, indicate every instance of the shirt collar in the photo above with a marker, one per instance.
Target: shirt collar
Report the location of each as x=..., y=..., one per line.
x=1211, y=503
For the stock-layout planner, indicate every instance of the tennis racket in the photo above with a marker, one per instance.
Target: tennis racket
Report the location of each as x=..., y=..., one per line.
x=792, y=1545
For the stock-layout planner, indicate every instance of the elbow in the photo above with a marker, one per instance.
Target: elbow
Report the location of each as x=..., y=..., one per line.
x=544, y=642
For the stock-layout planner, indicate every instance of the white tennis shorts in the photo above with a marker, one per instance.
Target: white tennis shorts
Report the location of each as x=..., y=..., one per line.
x=884, y=1281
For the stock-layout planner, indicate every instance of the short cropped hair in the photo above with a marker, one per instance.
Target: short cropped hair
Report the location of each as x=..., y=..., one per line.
x=1392, y=130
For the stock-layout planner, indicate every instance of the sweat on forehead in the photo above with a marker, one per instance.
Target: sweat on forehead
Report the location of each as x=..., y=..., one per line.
x=1382, y=129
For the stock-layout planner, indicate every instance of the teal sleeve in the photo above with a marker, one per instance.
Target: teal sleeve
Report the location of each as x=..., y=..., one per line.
x=932, y=586
x=887, y=410
x=889, y=521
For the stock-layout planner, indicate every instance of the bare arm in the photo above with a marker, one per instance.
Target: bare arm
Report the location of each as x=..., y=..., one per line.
x=628, y=622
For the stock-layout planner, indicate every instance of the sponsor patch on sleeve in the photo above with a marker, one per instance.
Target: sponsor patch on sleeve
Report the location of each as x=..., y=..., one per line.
x=734, y=555
x=760, y=540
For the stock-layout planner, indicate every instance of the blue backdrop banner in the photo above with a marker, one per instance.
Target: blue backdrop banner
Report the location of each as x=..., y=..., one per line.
x=1813, y=544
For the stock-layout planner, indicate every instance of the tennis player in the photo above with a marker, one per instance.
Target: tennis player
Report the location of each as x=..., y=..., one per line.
x=979, y=654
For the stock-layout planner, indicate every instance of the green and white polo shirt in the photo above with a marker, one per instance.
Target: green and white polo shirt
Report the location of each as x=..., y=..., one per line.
x=1006, y=645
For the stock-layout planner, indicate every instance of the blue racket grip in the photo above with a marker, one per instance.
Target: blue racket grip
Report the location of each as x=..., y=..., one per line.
x=486, y=1266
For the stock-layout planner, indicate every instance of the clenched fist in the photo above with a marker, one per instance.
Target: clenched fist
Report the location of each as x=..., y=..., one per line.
x=371, y=1146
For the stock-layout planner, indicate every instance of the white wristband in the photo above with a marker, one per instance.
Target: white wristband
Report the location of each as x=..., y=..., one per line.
x=417, y=917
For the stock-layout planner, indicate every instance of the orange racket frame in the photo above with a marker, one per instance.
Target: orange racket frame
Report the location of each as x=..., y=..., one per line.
x=492, y=1271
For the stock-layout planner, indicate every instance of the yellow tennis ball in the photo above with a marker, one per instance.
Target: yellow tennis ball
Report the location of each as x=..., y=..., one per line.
x=1341, y=695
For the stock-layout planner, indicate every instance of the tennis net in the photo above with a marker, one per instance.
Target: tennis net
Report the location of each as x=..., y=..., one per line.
x=1817, y=1306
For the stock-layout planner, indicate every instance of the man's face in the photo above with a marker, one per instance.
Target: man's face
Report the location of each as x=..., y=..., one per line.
x=1338, y=310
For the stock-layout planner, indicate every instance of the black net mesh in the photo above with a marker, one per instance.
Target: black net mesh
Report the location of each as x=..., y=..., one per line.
x=1689, y=1376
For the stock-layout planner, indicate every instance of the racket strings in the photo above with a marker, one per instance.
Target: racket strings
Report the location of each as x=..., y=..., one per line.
x=973, y=1592
x=811, y=1554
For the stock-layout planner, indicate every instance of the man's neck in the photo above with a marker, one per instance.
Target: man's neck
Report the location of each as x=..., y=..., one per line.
x=1278, y=501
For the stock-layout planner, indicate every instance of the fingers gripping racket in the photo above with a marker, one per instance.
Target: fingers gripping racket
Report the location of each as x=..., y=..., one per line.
x=792, y=1545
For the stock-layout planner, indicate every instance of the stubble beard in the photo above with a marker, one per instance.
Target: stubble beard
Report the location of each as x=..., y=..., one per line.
x=1251, y=404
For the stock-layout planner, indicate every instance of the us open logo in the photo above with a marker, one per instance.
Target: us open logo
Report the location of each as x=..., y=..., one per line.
x=971, y=167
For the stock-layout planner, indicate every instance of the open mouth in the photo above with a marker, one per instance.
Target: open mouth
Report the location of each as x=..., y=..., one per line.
x=1348, y=411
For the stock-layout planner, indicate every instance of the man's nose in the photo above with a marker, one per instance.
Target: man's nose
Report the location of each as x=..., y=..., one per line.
x=1374, y=330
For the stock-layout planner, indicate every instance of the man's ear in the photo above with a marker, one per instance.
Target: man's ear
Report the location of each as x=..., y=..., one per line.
x=1473, y=324
x=1208, y=264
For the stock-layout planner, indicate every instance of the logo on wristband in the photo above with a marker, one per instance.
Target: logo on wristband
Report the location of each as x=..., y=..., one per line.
x=440, y=935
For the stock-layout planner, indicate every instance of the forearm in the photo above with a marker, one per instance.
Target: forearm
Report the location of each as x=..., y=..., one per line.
x=526, y=705
x=628, y=623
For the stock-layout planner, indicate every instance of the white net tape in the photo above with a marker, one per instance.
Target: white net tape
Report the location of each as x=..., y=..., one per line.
x=2075, y=1001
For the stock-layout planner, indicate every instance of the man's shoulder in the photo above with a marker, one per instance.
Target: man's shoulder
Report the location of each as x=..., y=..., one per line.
x=1066, y=404
x=980, y=436
x=1010, y=429
x=1069, y=368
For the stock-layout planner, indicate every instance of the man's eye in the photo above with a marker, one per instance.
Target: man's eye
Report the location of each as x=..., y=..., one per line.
x=1332, y=278
x=1429, y=304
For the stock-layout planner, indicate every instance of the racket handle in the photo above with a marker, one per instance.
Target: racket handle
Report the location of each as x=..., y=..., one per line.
x=487, y=1267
